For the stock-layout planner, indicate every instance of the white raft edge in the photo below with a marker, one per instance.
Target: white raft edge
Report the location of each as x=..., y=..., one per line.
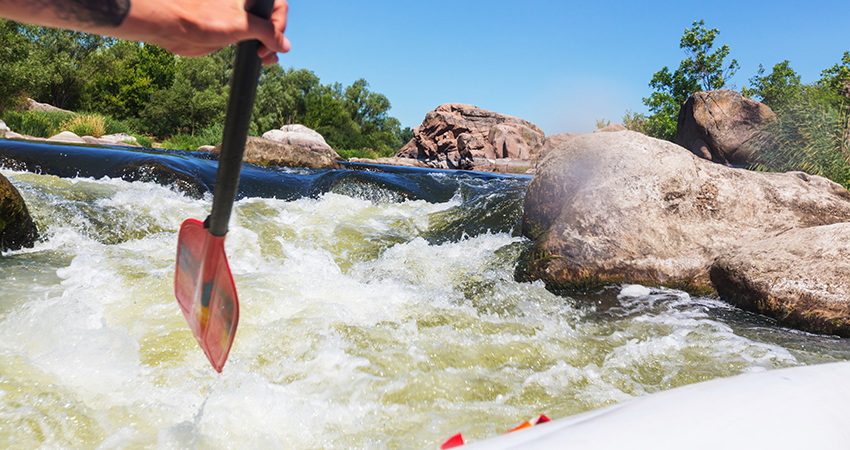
x=792, y=408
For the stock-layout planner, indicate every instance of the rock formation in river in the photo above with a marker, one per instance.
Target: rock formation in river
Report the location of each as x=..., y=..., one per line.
x=300, y=136
x=17, y=229
x=800, y=277
x=553, y=141
x=455, y=136
x=266, y=152
x=721, y=126
x=67, y=137
x=624, y=207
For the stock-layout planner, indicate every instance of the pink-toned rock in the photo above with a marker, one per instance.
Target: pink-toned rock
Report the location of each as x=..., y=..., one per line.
x=720, y=125
x=554, y=141
x=454, y=133
x=611, y=128
x=405, y=162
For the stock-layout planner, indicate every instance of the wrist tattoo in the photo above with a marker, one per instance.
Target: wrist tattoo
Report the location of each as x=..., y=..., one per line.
x=107, y=13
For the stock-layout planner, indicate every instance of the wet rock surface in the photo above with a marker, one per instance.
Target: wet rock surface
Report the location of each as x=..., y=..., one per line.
x=17, y=229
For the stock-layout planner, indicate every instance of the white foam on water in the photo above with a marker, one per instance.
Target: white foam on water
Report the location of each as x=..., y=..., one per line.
x=634, y=290
x=355, y=331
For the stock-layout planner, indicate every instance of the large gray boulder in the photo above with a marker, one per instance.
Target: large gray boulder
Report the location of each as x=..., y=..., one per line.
x=801, y=278
x=722, y=126
x=266, y=152
x=17, y=229
x=33, y=105
x=122, y=139
x=624, y=207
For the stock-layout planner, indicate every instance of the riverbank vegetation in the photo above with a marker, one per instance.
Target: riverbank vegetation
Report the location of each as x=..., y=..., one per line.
x=145, y=91
x=811, y=132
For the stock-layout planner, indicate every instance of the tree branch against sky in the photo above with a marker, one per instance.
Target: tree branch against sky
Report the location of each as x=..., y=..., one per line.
x=701, y=70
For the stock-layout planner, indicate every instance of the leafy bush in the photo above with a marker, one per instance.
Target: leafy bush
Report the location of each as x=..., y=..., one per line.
x=144, y=141
x=114, y=126
x=347, y=154
x=182, y=141
x=85, y=125
x=211, y=135
x=43, y=124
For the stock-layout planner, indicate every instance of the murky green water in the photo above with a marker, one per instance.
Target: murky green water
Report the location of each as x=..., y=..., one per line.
x=367, y=321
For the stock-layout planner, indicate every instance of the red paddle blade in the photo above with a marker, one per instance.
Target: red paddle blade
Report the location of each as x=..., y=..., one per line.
x=205, y=291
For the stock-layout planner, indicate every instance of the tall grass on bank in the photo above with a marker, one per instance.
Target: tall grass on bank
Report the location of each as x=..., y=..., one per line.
x=809, y=134
x=85, y=125
x=44, y=124
x=184, y=141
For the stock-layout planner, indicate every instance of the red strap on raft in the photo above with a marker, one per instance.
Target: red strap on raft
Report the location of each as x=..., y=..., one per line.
x=457, y=440
x=454, y=441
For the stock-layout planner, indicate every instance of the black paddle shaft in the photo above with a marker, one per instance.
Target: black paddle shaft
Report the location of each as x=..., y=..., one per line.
x=240, y=105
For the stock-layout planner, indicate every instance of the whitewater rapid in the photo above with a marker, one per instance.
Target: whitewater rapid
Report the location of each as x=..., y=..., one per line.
x=367, y=321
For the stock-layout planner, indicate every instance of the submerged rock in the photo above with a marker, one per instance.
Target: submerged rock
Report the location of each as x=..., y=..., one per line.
x=801, y=278
x=721, y=126
x=624, y=207
x=17, y=229
x=266, y=152
x=156, y=171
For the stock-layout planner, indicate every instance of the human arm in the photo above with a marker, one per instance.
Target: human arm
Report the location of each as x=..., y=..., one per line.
x=184, y=27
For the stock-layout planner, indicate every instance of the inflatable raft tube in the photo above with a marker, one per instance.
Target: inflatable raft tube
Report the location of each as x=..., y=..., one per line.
x=795, y=408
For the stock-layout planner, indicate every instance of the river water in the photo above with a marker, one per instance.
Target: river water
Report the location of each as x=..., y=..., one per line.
x=378, y=310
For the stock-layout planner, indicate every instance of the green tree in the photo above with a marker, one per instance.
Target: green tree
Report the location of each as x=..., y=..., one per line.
x=701, y=70
x=67, y=61
x=15, y=65
x=130, y=74
x=369, y=110
x=326, y=113
x=281, y=97
x=837, y=78
x=775, y=89
x=405, y=135
x=195, y=100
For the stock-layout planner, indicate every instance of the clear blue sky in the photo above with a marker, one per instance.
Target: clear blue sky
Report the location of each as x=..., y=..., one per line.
x=558, y=64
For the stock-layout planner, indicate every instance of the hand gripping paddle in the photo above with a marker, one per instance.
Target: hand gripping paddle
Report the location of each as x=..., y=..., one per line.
x=203, y=283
